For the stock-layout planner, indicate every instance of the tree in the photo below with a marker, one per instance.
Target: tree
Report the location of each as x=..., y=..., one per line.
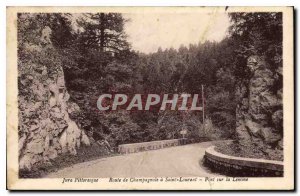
x=104, y=32
x=62, y=33
x=258, y=34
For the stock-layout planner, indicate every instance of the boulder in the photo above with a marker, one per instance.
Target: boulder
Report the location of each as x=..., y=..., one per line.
x=277, y=119
x=36, y=146
x=269, y=135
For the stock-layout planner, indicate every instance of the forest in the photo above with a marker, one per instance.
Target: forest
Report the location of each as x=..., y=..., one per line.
x=97, y=58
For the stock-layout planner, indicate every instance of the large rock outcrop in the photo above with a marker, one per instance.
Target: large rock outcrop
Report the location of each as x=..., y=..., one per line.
x=45, y=126
x=259, y=113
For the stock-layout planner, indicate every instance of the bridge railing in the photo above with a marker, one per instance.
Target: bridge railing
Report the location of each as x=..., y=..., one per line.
x=153, y=145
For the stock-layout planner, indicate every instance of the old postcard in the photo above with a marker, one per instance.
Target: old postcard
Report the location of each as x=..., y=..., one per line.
x=150, y=98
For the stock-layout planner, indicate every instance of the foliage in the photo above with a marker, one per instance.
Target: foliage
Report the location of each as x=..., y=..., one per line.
x=90, y=70
x=258, y=34
x=104, y=31
x=97, y=59
x=250, y=150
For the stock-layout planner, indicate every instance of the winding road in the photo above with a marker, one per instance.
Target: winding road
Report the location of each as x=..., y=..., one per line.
x=179, y=161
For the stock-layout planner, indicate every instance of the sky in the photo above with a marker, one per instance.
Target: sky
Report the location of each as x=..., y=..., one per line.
x=147, y=31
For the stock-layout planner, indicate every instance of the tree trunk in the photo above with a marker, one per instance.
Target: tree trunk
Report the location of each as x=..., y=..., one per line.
x=102, y=27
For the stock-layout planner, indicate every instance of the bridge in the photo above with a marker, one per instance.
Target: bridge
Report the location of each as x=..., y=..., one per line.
x=177, y=161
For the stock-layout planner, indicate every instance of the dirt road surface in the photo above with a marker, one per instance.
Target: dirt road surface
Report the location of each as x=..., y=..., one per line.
x=180, y=161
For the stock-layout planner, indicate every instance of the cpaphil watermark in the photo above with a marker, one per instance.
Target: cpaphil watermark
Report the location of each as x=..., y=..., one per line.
x=182, y=102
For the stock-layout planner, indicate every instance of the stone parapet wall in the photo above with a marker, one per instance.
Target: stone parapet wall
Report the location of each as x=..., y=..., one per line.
x=240, y=166
x=153, y=145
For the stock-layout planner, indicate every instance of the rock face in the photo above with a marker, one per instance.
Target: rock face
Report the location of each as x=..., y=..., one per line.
x=259, y=115
x=45, y=127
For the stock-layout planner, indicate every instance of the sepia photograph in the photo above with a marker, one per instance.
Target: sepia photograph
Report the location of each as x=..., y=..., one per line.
x=150, y=98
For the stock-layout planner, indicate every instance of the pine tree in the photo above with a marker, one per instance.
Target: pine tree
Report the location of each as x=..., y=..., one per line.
x=104, y=32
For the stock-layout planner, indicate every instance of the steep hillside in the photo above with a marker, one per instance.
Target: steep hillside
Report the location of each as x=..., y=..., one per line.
x=46, y=128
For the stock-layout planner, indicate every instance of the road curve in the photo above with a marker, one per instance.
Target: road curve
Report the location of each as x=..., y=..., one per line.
x=179, y=161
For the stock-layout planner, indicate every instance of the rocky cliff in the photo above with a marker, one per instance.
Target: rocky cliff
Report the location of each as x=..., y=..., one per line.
x=259, y=114
x=46, y=128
